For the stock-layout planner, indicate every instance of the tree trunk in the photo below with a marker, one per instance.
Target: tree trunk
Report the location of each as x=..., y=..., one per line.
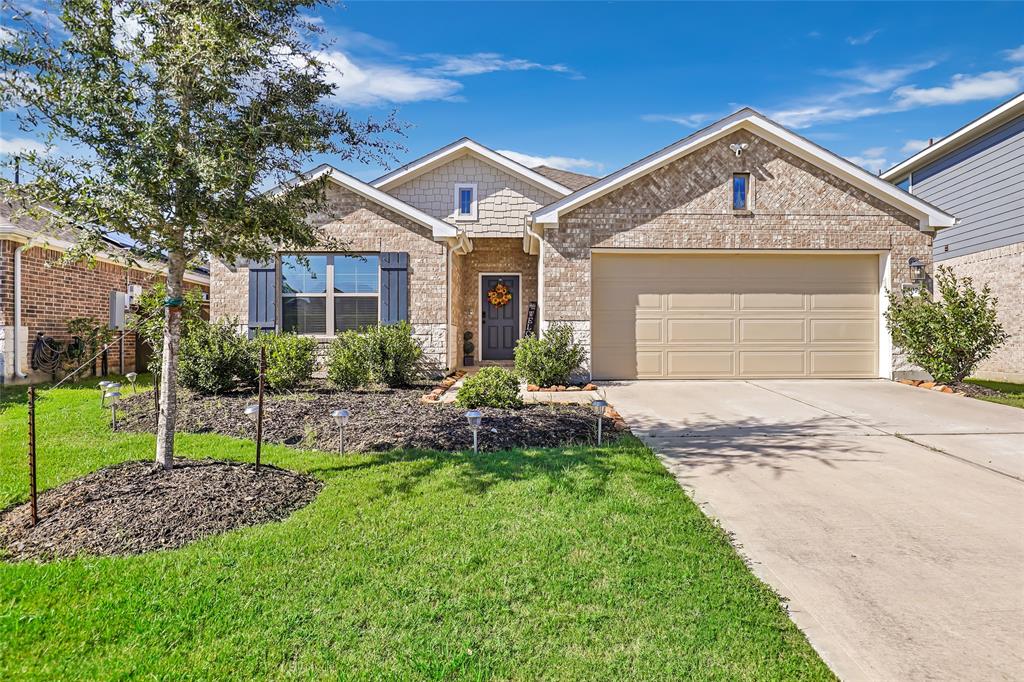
x=169, y=364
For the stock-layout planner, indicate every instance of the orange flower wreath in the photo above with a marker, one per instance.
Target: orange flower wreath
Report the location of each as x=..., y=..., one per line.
x=499, y=295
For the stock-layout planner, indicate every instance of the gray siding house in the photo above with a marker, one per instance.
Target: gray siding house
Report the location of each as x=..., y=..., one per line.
x=977, y=174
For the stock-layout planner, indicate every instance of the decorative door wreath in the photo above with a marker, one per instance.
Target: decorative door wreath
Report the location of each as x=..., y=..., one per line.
x=500, y=295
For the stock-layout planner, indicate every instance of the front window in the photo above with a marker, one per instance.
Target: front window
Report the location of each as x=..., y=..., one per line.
x=740, y=191
x=309, y=306
x=465, y=202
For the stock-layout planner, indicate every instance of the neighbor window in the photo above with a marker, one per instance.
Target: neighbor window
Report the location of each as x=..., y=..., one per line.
x=465, y=202
x=740, y=191
x=310, y=306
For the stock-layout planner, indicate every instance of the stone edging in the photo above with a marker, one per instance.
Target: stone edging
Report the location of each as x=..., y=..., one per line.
x=930, y=385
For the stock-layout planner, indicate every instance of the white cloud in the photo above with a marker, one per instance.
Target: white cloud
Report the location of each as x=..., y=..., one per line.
x=562, y=162
x=803, y=117
x=369, y=84
x=914, y=146
x=488, y=62
x=1014, y=55
x=20, y=145
x=870, y=159
x=688, y=120
x=864, y=38
x=962, y=88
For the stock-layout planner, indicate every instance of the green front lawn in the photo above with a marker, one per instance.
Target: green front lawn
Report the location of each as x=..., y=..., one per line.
x=575, y=563
x=1010, y=394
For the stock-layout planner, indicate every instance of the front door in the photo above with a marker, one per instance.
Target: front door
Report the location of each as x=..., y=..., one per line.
x=499, y=309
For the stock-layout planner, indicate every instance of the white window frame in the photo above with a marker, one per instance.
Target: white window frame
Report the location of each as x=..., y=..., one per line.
x=750, y=191
x=329, y=295
x=472, y=205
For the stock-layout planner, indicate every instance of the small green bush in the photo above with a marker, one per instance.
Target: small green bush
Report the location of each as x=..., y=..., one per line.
x=290, y=359
x=490, y=387
x=551, y=360
x=210, y=356
x=949, y=335
x=385, y=355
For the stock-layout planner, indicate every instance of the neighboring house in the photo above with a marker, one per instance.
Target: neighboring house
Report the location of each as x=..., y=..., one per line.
x=977, y=173
x=39, y=293
x=743, y=250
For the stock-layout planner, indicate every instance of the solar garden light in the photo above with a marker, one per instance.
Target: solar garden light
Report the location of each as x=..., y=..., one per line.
x=474, y=418
x=112, y=397
x=341, y=418
x=131, y=377
x=104, y=386
x=599, y=406
x=254, y=413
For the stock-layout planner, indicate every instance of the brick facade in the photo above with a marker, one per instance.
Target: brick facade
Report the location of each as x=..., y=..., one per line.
x=503, y=200
x=687, y=205
x=1002, y=269
x=52, y=293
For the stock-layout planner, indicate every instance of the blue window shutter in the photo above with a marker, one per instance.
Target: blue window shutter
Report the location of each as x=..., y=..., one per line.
x=394, y=287
x=262, y=298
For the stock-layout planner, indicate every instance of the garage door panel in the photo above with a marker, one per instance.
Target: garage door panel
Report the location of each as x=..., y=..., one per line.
x=734, y=315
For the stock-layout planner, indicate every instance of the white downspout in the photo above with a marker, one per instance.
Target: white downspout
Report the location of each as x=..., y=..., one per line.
x=17, y=306
x=532, y=231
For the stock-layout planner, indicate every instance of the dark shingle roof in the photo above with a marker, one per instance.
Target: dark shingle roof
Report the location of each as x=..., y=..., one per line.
x=573, y=181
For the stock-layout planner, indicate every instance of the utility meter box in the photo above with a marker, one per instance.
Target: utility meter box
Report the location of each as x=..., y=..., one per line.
x=118, y=306
x=134, y=292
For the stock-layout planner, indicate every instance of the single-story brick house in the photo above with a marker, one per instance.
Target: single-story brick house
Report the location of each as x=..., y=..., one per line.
x=742, y=250
x=40, y=294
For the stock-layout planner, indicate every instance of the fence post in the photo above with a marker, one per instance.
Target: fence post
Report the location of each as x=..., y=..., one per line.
x=32, y=454
x=259, y=415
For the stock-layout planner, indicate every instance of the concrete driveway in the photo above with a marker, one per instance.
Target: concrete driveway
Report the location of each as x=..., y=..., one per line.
x=890, y=517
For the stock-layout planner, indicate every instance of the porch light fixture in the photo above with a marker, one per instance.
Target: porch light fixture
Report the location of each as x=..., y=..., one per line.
x=341, y=418
x=111, y=397
x=474, y=417
x=917, y=274
x=132, y=377
x=599, y=406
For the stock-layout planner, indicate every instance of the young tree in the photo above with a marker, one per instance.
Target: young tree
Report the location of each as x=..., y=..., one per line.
x=948, y=335
x=174, y=114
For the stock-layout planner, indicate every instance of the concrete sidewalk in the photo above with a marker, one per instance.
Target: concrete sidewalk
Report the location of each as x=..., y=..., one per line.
x=898, y=561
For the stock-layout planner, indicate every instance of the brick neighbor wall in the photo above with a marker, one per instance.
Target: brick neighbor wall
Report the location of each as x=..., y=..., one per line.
x=687, y=205
x=496, y=256
x=503, y=200
x=364, y=226
x=1002, y=269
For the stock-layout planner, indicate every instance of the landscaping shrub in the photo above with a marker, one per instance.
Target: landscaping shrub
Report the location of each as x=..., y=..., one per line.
x=490, y=387
x=551, y=360
x=290, y=360
x=950, y=334
x=385, y=355
x=211, y=356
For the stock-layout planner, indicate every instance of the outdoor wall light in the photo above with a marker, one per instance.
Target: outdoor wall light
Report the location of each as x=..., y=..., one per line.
x=132, y=377
x=111, y=397
x=341, y=418
x=599, y=406
x=917, y=273
x=474, y=417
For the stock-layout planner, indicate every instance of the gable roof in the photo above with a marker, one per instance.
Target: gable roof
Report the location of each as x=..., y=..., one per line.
x=930, y=217
x=1004, y=113
x=440, y=229
x=461, y=147
x=573, y=181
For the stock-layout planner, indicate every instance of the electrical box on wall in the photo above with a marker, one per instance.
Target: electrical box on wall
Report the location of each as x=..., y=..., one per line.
x=118, y=306
x=134, y=292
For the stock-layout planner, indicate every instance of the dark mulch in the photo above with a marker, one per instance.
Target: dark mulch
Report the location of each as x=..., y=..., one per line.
x=133, y=507
x=975, y=391
x=381, y=421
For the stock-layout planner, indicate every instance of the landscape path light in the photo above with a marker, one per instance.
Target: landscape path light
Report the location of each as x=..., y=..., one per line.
x=104, y=386
x=341, y=418
x=132, y=377
x=255, y=414
x=111, y=397
x=599, y=406
x=474, y=417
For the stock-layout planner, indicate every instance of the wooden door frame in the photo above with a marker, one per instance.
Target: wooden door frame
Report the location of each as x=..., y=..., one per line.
x=480, y=307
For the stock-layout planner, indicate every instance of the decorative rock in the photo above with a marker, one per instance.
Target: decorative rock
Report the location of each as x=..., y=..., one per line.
x=908, y=382
x=927, y=384
x=572, y=388
x=532, y=387
x=558, y=388
x=590, y=387
x=945, y=389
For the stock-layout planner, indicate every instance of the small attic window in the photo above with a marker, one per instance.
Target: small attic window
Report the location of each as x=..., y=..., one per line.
x=465, y=202
x=741, y=191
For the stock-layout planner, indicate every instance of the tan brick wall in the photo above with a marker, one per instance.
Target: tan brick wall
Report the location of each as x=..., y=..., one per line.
x=687, y=205
x=364, y=226
x=492, y=256
x=503, y=200
x=1002, y=269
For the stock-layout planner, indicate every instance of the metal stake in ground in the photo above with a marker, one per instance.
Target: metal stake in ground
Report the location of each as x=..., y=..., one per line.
x=259, y=415
x=32, y=454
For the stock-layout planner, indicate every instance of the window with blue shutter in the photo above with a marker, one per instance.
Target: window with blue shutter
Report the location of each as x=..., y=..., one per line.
x=262, y=298
x=394, y=287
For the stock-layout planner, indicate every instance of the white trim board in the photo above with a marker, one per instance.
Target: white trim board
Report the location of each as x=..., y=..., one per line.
x=461, y=147
x=441, y=230
x=930, y=217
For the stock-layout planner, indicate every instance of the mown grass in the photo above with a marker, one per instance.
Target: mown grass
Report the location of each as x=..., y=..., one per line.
x=576, y=563
x=1011, y=394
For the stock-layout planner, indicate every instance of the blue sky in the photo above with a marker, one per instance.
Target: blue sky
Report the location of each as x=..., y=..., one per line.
x=593, y=86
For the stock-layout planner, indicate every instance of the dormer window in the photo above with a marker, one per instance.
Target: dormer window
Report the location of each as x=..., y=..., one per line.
x=465, y=202
x=741, y=191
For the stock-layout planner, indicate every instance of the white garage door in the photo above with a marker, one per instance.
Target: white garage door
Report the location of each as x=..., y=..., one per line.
x=677, y=316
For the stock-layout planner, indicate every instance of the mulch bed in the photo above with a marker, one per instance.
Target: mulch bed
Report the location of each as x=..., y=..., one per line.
x=381, y=421
x=975, y=391
x=135, y=507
